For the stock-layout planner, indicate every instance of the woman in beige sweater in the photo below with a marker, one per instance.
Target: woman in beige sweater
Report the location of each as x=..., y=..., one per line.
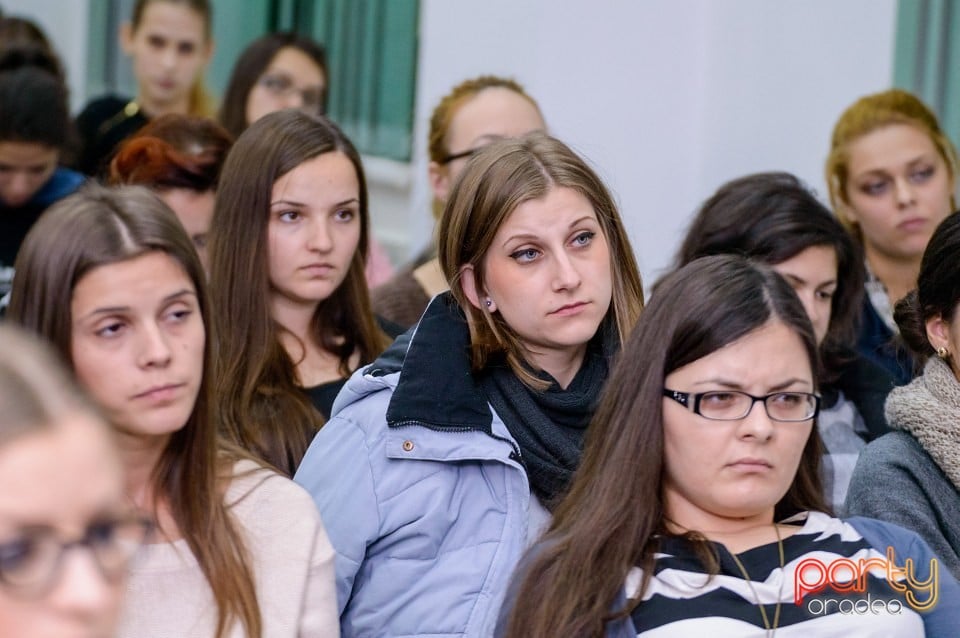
x=238, y=550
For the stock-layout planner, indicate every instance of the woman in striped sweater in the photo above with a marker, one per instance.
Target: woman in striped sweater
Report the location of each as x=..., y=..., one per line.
x=698, y=512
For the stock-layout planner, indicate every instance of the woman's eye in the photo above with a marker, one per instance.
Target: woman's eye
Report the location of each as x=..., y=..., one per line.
x=344, y=215
x=289, y=216
x=718, y=399
x=787, y=399
x=16, y=555
x=584, y=238
x=874, y=188
x=825, y=294
x=102, y=533
x=525, y=255
x=179, y=314
x=922, y=175
x=109, y=330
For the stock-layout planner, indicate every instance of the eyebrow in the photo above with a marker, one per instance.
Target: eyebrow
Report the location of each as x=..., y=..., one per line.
x=733, y=385
x=109, y=310
x=801, y=280
x=290, y=202
x=922, y=158
x=534, y=236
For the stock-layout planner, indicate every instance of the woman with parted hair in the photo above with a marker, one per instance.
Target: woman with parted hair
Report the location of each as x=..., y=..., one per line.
x=892, y=173
x=444, y=458
x=51, y=436
x=697, y=509
x=287, y=70
x=774, y=219
x=179, y=158
x=291, y=227
x=111, y=279
x=911, y=477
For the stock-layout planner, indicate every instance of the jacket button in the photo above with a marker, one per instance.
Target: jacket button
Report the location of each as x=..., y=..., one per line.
x=408, y=446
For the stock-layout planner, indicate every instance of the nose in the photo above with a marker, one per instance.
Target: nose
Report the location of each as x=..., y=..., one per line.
x=905, y=193
x=294, y=98
x=319, y=239
x=757, y=424
x=809, y=300
x=566, y=275
x=154, y=348
x=169, y=58
x=82, y=593
x=19, y=189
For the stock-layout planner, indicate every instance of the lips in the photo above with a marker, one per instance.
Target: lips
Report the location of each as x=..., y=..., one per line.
x=569, y=309
x=912, y=224
x=160, y=393
x=749, y=464
x=318, y=270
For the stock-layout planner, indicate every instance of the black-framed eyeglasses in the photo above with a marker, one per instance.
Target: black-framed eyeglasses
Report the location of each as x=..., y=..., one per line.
x=733, y=405
x=282, y=85
x=30, y=565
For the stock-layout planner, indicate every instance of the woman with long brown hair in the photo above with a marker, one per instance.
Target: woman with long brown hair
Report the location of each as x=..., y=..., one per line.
x=112, y=280
x=287, y=252
x=445, y=457
x=697, y=509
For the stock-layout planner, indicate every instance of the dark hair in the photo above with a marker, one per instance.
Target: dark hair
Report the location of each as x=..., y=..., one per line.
x=89, y=229
x=33, y=99
x=502, y=176
x=24, y=36
x=259, y=400
x=772, y=217
x=173, y=151
x=203, y=8
x=937, y=292
x=250, y=66
x=608, y=522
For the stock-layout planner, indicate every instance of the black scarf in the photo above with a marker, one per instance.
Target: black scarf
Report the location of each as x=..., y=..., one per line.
x=549, y=426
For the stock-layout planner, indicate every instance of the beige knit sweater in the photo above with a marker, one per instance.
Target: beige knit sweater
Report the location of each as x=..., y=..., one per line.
x=168, y=596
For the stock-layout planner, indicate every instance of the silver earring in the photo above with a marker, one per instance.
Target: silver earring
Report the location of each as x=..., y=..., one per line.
x=488, y=302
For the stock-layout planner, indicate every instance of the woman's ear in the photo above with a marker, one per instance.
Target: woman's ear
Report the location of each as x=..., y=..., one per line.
x=125, y=34
x=439, y=181
x=938, y=333
x=468, y=284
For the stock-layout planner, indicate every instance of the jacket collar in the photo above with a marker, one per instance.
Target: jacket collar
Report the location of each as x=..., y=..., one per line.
x=436, y=386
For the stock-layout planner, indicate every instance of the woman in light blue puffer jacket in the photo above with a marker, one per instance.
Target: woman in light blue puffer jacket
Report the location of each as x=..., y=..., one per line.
x=443, y=459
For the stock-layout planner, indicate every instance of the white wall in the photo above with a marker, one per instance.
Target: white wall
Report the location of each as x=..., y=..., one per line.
x=65, y=23
x=667, y=98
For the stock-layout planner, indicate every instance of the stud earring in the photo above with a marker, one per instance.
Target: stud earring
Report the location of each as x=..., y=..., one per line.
x=942, y=352
x=488, y=302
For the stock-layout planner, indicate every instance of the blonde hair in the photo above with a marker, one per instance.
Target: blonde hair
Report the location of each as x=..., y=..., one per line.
x=869, y=113
x=35, y=389
x=498, y=179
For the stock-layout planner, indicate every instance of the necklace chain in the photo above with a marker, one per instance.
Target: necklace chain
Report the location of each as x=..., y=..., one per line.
x=770, y=629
